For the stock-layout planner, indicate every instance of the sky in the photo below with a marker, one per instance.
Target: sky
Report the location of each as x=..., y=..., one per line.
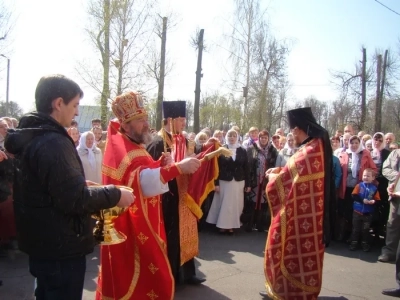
x=326, y=35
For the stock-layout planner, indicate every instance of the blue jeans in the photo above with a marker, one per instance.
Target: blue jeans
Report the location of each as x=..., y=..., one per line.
x=58, y=279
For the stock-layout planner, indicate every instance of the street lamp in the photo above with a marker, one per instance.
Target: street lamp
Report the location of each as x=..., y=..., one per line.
x=8, y=81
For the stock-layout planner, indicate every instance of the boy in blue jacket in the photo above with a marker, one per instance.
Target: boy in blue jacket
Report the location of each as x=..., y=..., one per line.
x=364, y=195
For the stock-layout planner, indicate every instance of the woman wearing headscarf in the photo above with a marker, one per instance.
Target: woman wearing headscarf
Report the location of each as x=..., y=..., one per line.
x=91, y=157
x=232, y=182
x=379, y=154
x=262, y=156
x=286, y=152
x=201, y=138
x=353, y=162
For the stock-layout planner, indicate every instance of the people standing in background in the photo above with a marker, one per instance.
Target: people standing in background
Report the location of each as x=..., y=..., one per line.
x=90, y=156
x=98, y=138
x=353, y=162
x=201, y=138
x=389, y=138
x=288, y=150
x=232, y=182
x=261, y=157
x=365, y=194
x=218, y=134
x=253, y=137
x=73, y=132
x=379, y=154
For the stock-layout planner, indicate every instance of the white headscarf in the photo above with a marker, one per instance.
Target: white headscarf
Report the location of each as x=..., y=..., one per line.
x=83, y=149
x=233, y=146
x=376, y=152
x=355, y=159
x=289, y=151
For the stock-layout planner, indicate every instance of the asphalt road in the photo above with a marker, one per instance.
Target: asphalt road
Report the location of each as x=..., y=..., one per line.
x=233, y=267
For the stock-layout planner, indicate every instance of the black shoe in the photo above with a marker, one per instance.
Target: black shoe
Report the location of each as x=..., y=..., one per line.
x=385, y=258
x=392, y=292
x=194, y=280
x=1, y=282
x=353, y=245
x=365, y=246
x=265, y=295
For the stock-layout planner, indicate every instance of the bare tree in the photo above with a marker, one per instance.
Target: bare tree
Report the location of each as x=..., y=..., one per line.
x=248, y=19
x=270, y=55
x=6, y=24
x=120, y=31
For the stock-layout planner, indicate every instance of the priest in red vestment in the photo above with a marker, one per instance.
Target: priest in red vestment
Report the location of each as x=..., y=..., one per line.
x=299, y=199
x=137, y=268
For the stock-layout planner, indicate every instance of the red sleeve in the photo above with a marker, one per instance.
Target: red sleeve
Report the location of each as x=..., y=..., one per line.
x=169, y=172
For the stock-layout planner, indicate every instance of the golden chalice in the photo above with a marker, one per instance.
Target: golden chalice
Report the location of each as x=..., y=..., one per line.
x=104, y=231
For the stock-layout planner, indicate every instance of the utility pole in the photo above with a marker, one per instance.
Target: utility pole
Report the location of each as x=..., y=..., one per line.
x=8, y=83
x=363, y=89
x=378, y=104
x=196, y=124
x=160, y=97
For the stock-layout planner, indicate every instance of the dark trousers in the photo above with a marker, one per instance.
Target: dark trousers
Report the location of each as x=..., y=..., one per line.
x=361, y=225
x=58, y=279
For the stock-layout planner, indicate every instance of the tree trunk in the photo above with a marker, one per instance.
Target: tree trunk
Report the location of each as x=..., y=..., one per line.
x=378, y=104
x=160, y=97
x=105, y=94
x=383, y=81
x=196, y=124
x=363, y=90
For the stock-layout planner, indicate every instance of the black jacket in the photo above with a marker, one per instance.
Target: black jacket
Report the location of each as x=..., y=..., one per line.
x=237, y=169
x=52, y=203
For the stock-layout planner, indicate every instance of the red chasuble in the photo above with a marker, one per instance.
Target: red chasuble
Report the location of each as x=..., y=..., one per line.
x=137, y=268
x=294, y=251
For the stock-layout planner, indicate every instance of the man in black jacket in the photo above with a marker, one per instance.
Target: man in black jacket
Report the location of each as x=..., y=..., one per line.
x=52, y=202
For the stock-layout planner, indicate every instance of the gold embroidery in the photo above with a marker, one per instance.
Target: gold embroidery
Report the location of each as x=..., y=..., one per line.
x=290, y=247
x=307, y=245
x=303, y=187
x=292, y=266
x=303, y=206
x=134, y=208
x=142, y=238
x=316, y=164
x=152, y=295
x=153, y=201
x=305, y=225
x=118, y=173
x=153, y=269
x=310, y=263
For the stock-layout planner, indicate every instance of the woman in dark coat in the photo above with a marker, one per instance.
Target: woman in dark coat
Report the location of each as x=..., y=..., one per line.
x=232, y=182
x=262, y=156
x=379, y=154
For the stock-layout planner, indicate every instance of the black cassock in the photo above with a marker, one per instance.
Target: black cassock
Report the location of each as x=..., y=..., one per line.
x=170, y=207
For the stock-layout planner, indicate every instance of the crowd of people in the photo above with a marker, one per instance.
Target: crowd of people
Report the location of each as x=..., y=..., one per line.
x=299, y=186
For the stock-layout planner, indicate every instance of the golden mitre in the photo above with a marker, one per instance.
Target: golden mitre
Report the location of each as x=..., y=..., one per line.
x=128, y=106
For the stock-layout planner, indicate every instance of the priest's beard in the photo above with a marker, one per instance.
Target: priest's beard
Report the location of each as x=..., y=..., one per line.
x=142, y=138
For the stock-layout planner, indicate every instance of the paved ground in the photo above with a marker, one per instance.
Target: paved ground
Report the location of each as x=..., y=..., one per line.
x=233, y=268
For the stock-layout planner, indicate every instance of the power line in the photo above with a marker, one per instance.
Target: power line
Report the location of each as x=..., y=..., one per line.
x=387, y=7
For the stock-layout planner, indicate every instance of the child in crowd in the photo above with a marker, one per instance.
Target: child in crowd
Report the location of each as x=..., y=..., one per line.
x=364, y=195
